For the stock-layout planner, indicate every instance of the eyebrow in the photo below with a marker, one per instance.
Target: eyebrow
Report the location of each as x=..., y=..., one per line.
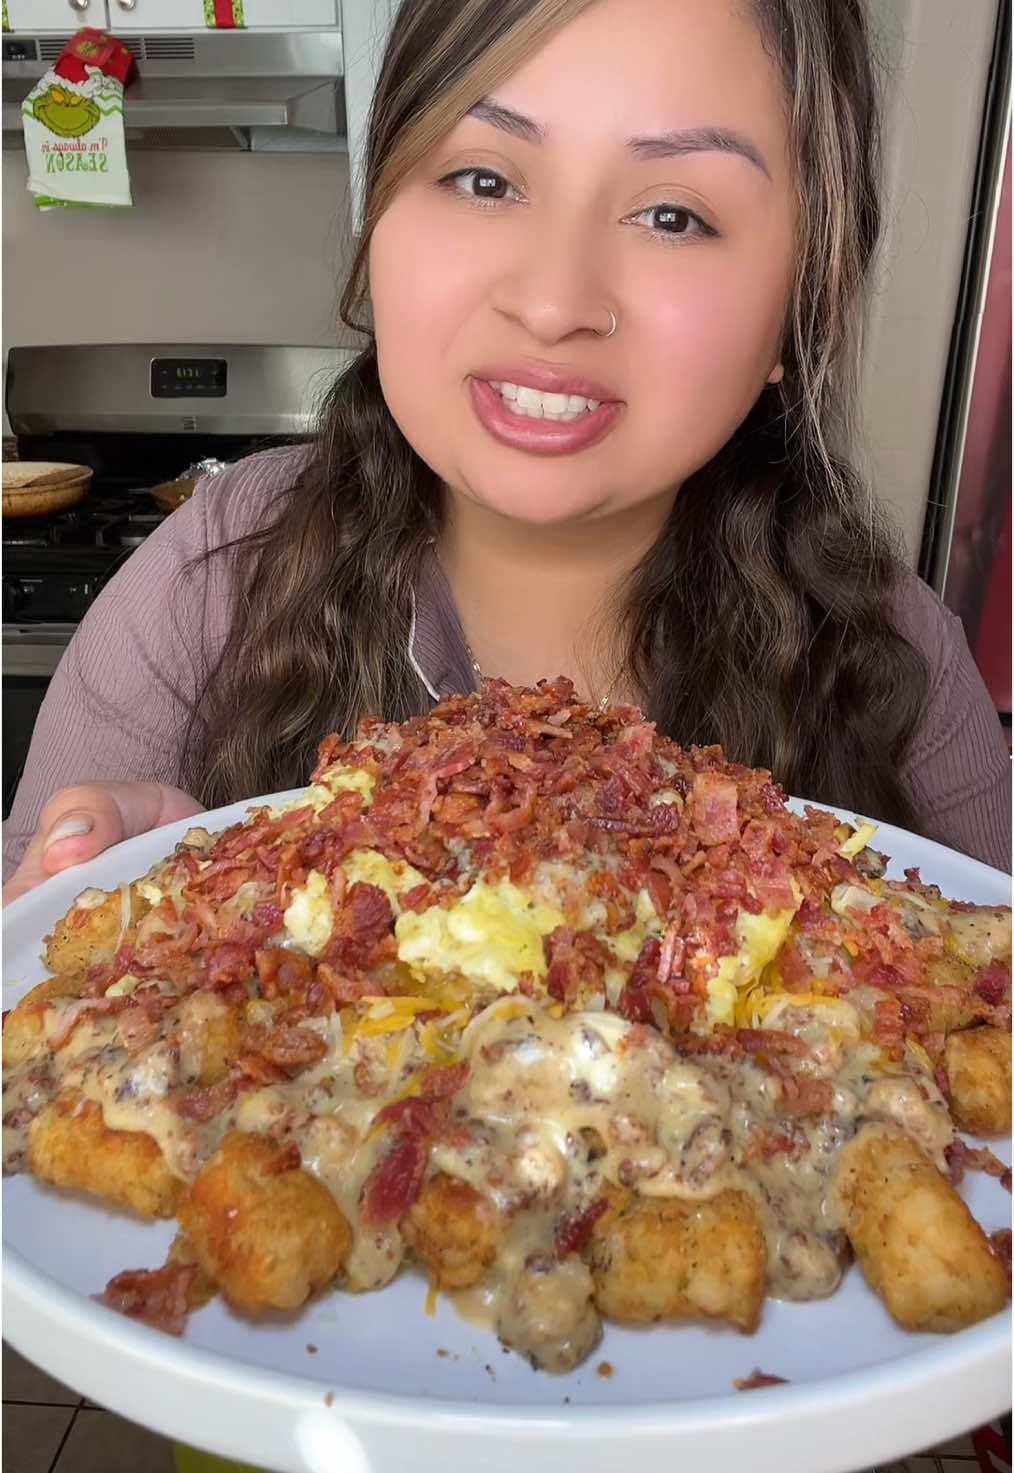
x=676, y=144
x=698, y=140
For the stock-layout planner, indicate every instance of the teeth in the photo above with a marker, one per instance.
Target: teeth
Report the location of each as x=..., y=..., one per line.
x=522, y=400
x=532, y=402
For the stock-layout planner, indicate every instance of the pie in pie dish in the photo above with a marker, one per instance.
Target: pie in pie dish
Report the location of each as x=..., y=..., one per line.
x=585, y=1025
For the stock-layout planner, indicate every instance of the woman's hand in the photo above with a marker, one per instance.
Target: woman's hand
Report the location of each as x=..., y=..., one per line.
x=78, y=823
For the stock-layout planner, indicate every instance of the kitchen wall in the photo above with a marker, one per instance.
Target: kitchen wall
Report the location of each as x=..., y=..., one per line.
x=231, y=247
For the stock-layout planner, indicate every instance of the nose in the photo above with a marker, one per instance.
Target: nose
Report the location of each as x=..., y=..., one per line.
x=555, y=284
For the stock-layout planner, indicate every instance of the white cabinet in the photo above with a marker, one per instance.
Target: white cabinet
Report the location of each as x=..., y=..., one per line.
x=132, y=16
x=65, y=16
x=150, y=16
x=290, y=15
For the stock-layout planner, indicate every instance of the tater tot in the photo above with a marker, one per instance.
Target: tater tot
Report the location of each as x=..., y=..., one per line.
x=666, y=1259
x=92, y=933
x=978, y=1064
x=209, y=1033
x=980, y=934
x=548, y=1314
x=70, y=1145
x=23, y=1031
x=263, y=1229
x=453, y=1230
x=947, y=1015
x=917, y=1243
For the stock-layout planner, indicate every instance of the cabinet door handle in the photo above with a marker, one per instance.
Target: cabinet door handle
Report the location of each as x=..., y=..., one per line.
x=79, y=4
x=127, y=4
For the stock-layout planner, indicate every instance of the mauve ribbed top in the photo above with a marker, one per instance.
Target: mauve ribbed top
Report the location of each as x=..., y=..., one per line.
x=118, y=704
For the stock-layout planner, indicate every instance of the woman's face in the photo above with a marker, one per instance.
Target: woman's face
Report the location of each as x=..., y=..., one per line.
x=639, y=165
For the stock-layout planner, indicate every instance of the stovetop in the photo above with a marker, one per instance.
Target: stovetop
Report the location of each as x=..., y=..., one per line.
x=53, y=566
x=101, y=522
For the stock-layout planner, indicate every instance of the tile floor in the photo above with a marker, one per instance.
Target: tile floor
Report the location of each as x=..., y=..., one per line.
x=49, y=1429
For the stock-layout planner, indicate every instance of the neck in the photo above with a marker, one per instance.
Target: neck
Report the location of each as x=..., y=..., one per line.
x=539, y=602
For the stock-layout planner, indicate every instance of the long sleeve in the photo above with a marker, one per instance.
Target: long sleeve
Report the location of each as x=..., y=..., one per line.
x=958, y=770
x=119, y=703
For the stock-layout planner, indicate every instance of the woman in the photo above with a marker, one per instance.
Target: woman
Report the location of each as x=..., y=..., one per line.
x=614, y=252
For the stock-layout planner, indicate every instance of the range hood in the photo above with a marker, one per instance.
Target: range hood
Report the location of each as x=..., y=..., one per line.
x=212, y=89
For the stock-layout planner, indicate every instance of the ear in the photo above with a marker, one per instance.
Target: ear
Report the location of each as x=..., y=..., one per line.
x=777, y=374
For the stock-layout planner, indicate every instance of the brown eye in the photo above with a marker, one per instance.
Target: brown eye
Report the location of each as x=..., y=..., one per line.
x=672, y=219
x=484, y=186
x=488, y=186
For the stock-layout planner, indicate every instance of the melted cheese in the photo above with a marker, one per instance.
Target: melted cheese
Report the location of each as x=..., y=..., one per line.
x=552, y=1108
x=848, y=898
x=857, y=840
x=978, y=936
x=124, y=986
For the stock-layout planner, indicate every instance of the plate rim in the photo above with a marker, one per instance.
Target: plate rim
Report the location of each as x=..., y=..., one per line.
x=982, y=1341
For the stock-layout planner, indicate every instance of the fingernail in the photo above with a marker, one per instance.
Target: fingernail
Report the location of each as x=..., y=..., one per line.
x=69, y=827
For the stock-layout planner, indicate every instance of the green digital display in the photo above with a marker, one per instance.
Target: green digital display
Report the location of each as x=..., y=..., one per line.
x=175, y=378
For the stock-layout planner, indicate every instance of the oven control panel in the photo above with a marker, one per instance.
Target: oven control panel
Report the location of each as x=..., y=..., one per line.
x=54, y=596
x=189, y=378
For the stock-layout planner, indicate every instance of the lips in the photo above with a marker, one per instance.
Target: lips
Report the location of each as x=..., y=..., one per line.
x=542, y=436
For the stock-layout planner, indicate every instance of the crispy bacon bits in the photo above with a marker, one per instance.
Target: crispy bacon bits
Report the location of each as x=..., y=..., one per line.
x=757, y=1379
x=962, y=1157
x=155, y=1296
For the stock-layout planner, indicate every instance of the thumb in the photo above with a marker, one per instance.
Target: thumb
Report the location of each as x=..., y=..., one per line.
x=79, y=823
x=88, y=819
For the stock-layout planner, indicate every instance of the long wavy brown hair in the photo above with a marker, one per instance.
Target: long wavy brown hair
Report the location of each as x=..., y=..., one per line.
x=762, y=619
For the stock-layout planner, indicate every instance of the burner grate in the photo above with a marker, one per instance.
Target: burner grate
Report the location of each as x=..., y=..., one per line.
x=54, y=566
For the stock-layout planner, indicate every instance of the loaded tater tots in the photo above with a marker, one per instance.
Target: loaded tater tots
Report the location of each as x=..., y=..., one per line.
x=585, y=1026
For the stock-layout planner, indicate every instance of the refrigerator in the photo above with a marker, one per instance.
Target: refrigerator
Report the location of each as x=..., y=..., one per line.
x=937, y=354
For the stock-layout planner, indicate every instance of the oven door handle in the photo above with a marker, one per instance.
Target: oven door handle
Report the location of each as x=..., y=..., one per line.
x=34, y=650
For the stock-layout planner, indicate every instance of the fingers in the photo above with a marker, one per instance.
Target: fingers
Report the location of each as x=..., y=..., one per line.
x=79, y=823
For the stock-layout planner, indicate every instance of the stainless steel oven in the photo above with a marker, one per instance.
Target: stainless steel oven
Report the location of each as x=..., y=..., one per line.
x=138, y=415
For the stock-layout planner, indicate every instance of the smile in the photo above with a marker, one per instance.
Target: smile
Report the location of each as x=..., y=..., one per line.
x=541, y=421
x=520, y=399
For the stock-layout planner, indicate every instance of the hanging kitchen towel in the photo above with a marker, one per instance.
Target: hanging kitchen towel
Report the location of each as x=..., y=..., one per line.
x=73, y=122
x=224, y=15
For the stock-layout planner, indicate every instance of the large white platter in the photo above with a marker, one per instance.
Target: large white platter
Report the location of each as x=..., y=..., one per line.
x=388, y=1389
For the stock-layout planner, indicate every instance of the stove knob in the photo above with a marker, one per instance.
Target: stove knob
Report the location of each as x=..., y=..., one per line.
x=78, y=596
x=15, y=598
